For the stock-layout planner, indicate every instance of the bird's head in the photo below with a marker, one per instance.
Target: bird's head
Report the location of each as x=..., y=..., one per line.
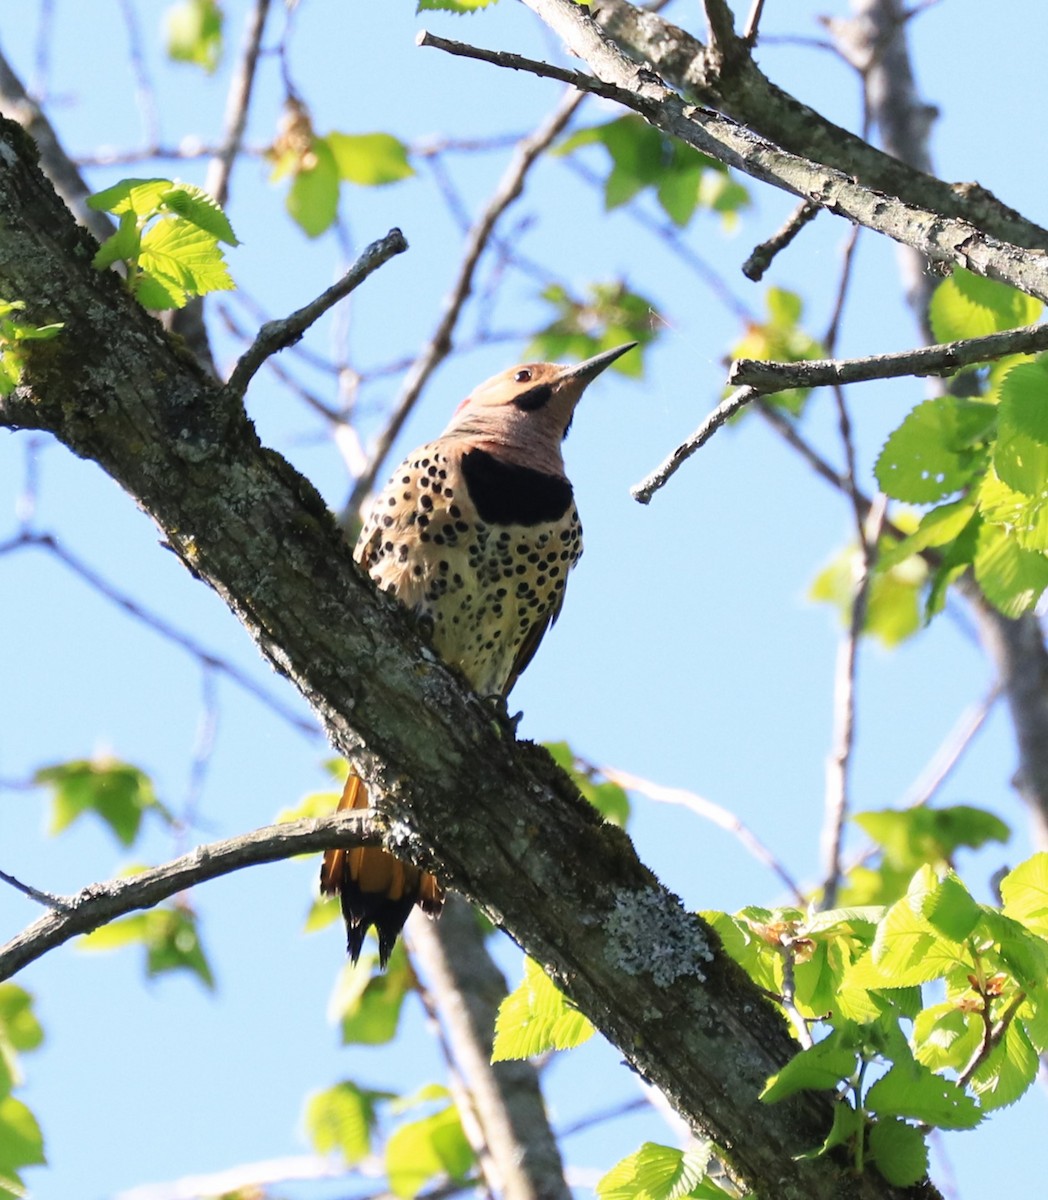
x=523, y=414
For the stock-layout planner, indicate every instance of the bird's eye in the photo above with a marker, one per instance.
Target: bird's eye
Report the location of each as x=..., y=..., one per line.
x=522, y=376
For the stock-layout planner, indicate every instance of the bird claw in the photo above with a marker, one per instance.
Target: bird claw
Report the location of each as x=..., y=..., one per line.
x=504, y=720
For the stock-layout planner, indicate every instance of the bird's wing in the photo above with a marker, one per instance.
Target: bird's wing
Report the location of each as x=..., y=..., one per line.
x=531, y=643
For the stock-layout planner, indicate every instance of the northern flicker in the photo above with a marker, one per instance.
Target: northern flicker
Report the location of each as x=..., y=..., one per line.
x=475, y=534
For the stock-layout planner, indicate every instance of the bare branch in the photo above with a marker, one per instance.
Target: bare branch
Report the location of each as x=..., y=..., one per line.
x=521, y=1160
x=238, y=102
x=949, y=753
x=760, y=258
x=708, y=811
x=207, y=658
x=754, y=378
x=723, y=413
x=47, y=899
x=939, y=237
x=100, y=903
x=278, y=335
x=753, y=21
x=838, y=765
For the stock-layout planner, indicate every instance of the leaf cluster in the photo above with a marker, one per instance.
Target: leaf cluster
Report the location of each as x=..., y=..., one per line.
x=319, y=164
x=981, y=460
x=168, y=240
x=21, y=1142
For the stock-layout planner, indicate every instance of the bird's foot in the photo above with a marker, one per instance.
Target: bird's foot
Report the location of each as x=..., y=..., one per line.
x=504, y=720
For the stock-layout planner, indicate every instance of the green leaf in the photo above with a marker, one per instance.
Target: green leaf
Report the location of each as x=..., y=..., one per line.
x=537, y=1017
x=820, y=1067
x=936, y=450
x=183, y=258
x=609, y=799
x=742, y=938
x=341, y=1119
x=951, y=909
x=1024, y=517
x=455, y=6
x=908, y=949
x=946, y=1036
x=367, y=1004
x=19, y=1027
x=369, y=159
x=910, y=1090
x=170, y=938
x=937, y=527
x=21, y=1142
x=1020, y=454
x=1011, y=578
x=199, y=208
x=425, y=1150
x=1008, y=1070
x=848, y=1124
x=782, y=339
x=912, y=837
x=893, y=610
x=608, y=316
x=122, y=246
x=900, y=1152
x=143, y=197
x=117, y=792
x=642, y=157
x=312, y=200
x=967, y=305
x=194, y=33
x=656, y=1172
x=1025, y=893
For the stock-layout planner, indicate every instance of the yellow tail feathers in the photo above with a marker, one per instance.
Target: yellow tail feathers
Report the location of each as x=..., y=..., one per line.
x=375, y=888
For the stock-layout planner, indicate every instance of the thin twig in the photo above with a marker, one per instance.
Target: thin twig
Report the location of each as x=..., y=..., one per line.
x=788, y=999
x=207, y=658
x=754, y=378
x=948, y=754
x=708, y=810
x=943, y=358
x=47, y=899
x=761, y=257
x=145, y=93
x=277, y=335
x=993, y=1032
x=238, y=102
x=438, y=347
x=838, y=765
x=837, y=315
x=99, y=903
x=643, y=491
x=753, y=21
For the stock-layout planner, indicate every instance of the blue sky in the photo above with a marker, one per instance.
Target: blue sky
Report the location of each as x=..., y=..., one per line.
x=687, y=652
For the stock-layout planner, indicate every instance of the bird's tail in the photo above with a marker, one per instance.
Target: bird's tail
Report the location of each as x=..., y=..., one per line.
x=375, y=887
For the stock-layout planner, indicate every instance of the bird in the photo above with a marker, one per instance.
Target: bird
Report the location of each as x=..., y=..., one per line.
x=474, y=534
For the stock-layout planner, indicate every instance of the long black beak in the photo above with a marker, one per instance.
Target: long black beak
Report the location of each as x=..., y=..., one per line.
x=586, y=371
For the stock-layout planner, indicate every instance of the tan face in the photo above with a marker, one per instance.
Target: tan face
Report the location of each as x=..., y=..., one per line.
x=532, y=400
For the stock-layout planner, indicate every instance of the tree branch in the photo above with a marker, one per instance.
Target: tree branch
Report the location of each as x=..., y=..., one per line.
x=494, y=818
x=754, y=378
x=278, y=335
x=100, y=903
x=749, y=97
x=938, y=237
x=505, y=1098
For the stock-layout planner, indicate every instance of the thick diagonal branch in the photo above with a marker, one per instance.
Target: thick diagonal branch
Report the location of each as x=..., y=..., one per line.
x=495, y=818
